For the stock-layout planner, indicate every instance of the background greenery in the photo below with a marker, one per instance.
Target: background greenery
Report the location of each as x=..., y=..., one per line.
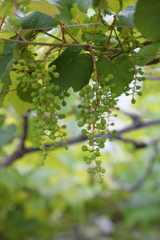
x=60, y=200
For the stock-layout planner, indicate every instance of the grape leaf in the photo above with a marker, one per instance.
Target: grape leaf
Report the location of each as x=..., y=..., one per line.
x=8, y=134
x=147, y=17
x=75, y=69
x=44, y=7
x=65, y=8
x=100, y=4
x=99, y=38
x=119, y=68
x=38, y=20
x=114, y=5
x=147, y=50
x=126, y=16
x=13, y=98
x=125, y=3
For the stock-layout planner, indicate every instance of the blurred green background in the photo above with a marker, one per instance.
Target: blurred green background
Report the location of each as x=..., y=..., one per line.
x=61, y=201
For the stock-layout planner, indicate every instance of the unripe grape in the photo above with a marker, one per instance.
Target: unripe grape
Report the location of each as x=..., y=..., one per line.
x=33, y=94
x=90, y=170
x=91, y=94
x=50, y=87
x=35, y=145
x=84, y=131
x=50, y=69
x=80, y=124
x=105, y=101
x=42, y=97
x=98, y=163
x=40, y=131
x=35, y=100
x=57, y=88
x=88, y=161
x=42, y=64
x=39, y=75
x=91, y=136
x=95, y=86
x=42, y=90
x=113, y=95
x=35, y=85
x=54, y=120
x=133, y=101
x=52, y=147
x=113, y=85
x=101, y=180
x=53, y=67
x=43, y=109
x=84, y=148
x=43, y=123
x=101, y=145
x=47, y=78
x=93, y=156
x=102, y=170
x=107, y=79
x=56, y=75
x=33, y=106
x=110, y=76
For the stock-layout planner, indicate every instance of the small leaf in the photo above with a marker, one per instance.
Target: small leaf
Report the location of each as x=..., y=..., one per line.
x=147, y=50
x=126, y=16
x=98, y=38
x=44, y=7
x=8, y=134
x=75, y=69
x=119, y=68
x=147, y=17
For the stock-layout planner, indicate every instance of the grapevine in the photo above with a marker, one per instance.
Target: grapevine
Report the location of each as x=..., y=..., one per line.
x=103, y=59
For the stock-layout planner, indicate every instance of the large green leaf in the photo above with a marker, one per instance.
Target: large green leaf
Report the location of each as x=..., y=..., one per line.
x=119, y=68
x=147, y=18
x=75, y=69
x=149, y=50
x=7, y=134
x=126, y=16
x=38, y=20
x=44, y=7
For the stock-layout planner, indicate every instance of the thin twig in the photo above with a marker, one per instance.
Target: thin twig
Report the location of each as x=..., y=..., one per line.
x=21, y=151
x=142, y=178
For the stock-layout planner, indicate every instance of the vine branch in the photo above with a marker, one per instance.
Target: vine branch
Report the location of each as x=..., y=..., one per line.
x=22, y=150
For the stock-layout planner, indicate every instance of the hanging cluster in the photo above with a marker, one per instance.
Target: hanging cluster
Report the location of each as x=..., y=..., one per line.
x=98, y=100
x=46, y=102
x=131, y=43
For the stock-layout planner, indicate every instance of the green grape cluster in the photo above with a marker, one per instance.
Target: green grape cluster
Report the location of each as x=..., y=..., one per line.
x=46, y=102
x=130, y=43
x=96, y=109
